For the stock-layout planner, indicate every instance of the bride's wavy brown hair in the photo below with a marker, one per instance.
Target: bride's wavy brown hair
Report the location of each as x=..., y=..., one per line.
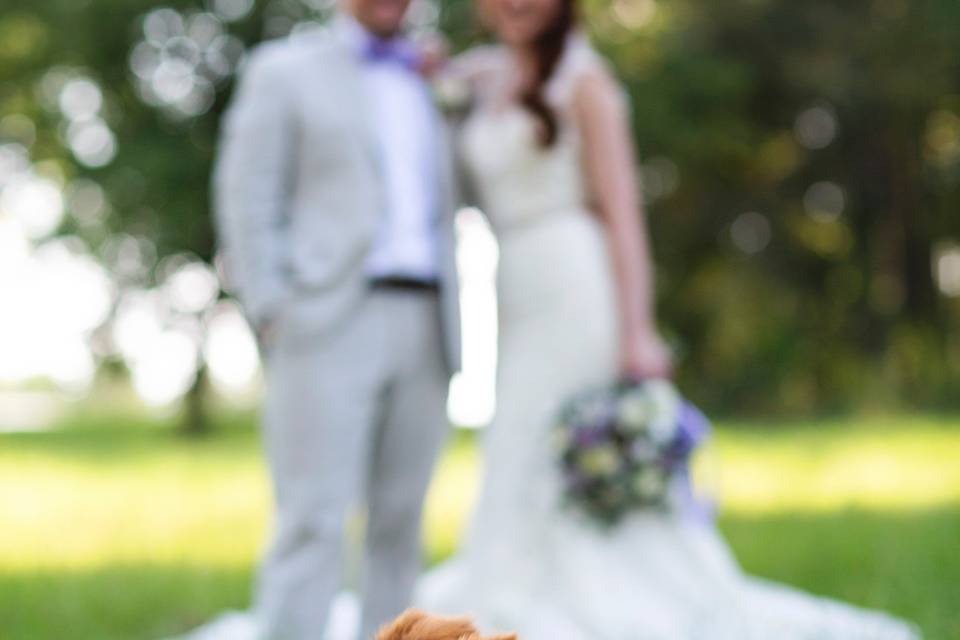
x=548, y=49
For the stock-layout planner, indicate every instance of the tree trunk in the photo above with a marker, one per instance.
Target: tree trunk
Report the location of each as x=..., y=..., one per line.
x=196, y=420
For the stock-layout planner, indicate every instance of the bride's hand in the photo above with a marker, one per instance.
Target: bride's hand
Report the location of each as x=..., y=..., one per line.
x=434, y=51
x=644, y=356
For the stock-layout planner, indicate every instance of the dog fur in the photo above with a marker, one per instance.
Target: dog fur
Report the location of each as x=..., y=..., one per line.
x=417, y=625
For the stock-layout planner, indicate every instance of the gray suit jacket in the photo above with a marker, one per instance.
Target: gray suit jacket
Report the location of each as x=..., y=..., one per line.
x=298, y=191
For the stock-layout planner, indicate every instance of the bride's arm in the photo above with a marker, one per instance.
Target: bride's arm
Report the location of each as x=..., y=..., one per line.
x=610, y=165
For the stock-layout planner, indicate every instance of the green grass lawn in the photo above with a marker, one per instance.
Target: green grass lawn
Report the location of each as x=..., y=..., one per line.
x=128, y=531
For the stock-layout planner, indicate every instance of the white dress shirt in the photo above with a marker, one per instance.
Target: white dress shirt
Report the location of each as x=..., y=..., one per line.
x=404, y=123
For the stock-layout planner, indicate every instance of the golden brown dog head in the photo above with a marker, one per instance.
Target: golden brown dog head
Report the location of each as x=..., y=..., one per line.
x=417, y=625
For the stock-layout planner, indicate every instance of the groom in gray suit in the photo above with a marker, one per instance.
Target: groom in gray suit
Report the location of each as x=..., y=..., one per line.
x=335, y=201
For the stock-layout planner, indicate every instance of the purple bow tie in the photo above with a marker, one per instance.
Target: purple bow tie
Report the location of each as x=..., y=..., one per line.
x=396, y=50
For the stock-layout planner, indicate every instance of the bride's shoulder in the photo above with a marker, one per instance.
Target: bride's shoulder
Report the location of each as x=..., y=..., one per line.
x=581, y=65
x=585, y=72
x=582, y=60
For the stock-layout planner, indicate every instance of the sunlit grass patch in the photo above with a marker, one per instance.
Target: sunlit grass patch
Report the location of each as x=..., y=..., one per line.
x=888, y=464
x=83, y=499
x=119, y=532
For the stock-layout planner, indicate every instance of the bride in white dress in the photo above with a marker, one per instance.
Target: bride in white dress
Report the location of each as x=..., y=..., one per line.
x=546, y=146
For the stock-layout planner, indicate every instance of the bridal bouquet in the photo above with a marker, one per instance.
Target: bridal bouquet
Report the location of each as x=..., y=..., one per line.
x=627, y=448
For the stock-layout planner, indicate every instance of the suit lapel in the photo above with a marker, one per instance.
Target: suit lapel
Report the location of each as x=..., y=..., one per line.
x=346, y=77
x=347, y=70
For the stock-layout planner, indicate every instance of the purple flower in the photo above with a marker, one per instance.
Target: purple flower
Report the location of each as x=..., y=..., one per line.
x=693, y=428
x=585, y=438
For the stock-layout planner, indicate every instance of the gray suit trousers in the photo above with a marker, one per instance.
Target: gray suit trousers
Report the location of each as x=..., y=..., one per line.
x=353, y=417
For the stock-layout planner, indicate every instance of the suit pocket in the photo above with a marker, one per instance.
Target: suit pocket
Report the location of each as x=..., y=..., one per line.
x=327, y=257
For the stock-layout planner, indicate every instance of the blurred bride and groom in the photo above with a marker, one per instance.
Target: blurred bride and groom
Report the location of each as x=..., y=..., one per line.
x=336, y=185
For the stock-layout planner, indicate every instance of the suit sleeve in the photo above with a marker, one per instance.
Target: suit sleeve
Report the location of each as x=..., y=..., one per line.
x=251, y=185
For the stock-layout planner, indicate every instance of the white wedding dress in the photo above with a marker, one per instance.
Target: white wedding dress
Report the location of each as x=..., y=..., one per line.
x=529, y=564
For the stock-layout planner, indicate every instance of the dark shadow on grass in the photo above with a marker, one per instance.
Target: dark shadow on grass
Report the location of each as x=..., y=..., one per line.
x=905, y=562
x=124, y=602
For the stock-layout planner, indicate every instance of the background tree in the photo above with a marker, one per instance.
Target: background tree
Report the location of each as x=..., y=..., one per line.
x=801, y=163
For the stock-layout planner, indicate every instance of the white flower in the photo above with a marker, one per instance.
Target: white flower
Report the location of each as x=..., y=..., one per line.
x=634, y=412
x=665, y=402
x=600, y=461
x=649, y=484
x=452, y=92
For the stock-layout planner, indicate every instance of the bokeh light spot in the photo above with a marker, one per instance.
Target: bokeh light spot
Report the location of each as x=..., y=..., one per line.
x=750, y=232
